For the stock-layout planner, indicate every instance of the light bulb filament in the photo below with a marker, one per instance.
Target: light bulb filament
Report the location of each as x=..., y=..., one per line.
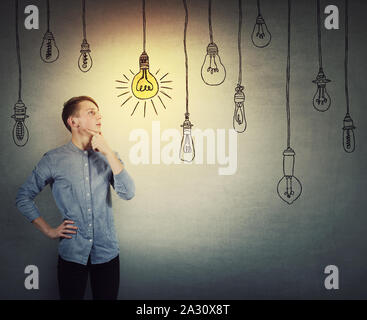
x=349, y=140
x=348, y=144
x=85, y=60
x=239, y=113
x=260, y=31
x=187, y=147
x=19, y=130
x=49, y=49
x=289, y=192
x=144, y=84
x=321, y=95
x=212, y=62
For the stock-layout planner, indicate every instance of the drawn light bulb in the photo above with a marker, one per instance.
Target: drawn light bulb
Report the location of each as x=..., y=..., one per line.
x=144, y=84
x=348, y=134
x=20, y=131
x=289, y=187
x=239, y=118
x=321, y=99
x=49, y=51
x=213, y=71
x=261, y=36
x=85, y=60
x=187, y=150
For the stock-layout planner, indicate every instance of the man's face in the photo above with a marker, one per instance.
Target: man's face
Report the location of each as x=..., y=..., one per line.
x=88, y=117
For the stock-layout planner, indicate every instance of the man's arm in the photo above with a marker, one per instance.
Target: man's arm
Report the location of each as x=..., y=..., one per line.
x=40, y=177
x=54, y=233
x=124, y=185
x=115, y=164
x=99, y=144
x=122, y=182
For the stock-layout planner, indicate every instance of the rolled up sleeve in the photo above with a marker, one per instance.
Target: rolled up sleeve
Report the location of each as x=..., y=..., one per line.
x=123, y=183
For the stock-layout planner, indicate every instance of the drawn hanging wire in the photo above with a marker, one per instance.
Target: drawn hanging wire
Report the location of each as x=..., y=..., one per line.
x=213, y=71
x=261, y=35
x=20, y=130
x=85, y=61
x=49, y=51
x=187, y=150
x=321, y=100
x=349, y=143
x=289, y=187
x=144, y=85
x=239, y=118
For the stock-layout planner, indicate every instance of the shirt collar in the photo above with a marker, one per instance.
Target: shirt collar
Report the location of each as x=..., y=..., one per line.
x=73, y=147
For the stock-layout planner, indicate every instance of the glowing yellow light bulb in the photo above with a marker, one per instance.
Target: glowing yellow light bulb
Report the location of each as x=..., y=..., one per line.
x=144, y=85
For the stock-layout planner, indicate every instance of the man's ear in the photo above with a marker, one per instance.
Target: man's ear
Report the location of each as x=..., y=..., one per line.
x=73, y=122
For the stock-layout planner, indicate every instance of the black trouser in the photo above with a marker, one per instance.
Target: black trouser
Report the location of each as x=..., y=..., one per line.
x=104, y=279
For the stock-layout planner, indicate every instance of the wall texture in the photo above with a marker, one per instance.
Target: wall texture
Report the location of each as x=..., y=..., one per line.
x=190, y=233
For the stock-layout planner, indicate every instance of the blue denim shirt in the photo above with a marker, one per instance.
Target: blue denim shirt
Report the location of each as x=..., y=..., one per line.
x=80, y=183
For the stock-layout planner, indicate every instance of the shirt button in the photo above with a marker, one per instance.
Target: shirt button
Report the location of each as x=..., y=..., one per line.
x=88, y=209
x=86, y=178
x=90, y=240
x=88, y=194
x=85, y=152
x=86, y=164
x=90, y=224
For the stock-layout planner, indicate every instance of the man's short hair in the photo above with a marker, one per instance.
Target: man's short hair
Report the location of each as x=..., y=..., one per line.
x=71, y=108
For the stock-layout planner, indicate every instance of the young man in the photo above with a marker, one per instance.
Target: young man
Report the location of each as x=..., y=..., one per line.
x=80, y=174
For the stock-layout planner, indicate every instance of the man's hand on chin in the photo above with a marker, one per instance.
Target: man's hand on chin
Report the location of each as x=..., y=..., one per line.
x=99, y=143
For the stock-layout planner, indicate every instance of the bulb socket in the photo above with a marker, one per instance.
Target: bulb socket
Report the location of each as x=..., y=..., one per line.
x=260, y=19
x=19, y=111
x=239, y=96
x=212, y=49
x=288, y=162
x=321, y=78
x=289, y=152
x=84, y=46
x=348, y=123
x=187, y=125
x=144, y=61
x=48, y=36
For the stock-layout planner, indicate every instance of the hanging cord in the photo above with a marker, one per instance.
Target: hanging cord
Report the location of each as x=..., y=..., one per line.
x=210, y=21
x=186, y=59
x=346, y=56
x=144, y=26
x=258, y=8
x=48, y=15
x=84, y=23
x=239, y=42
x=18, y=51
x=319, y=32
x=288, y=76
